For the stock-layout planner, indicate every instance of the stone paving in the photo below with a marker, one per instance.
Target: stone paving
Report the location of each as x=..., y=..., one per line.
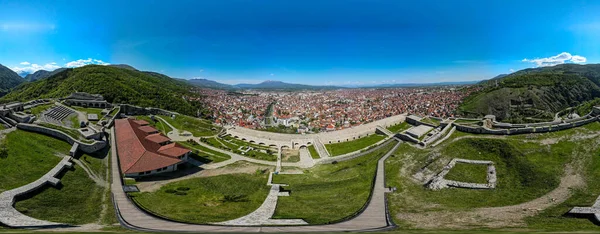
x=306, y=161
x=9, y=216
x=262, y=215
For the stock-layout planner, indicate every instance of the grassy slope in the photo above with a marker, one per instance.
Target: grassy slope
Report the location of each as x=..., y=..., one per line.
x=546, y=158
x=77, y=201
x=399, y=127
x=550, y=89
x=525, y=171
x=471, y=173
x=159, y=125
x=313, y=152
x=27, y=162
x=39, y=109
x=341, y=148
x=209, y=199
x=205, y=155
x=330, y=192
x=554, y=218
x=198, y=127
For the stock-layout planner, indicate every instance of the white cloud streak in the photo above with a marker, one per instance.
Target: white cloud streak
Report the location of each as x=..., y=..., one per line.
x=28, y=68
x=83, y=62
x=561, y=58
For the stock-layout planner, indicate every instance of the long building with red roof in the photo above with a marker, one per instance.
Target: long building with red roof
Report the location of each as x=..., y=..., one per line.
x=143, y=151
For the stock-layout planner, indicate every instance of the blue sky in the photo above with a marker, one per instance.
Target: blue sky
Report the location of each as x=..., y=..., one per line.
x=342, y=42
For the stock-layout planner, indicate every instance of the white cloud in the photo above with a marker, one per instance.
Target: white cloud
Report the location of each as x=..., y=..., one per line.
x=28, y=68
x=83, y=62
x=561, y=58
x=271, y=74
x=578, y=59
x=511, y=70
x=31, y=68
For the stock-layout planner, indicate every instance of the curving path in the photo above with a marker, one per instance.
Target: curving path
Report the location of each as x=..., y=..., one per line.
x=373, y=217
x=9, y=216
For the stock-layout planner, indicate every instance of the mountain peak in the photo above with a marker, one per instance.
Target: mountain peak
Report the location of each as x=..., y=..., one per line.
x=272, y=82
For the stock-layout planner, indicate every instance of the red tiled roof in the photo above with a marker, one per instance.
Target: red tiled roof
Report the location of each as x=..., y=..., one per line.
x=140, y=122
x=138, y=154
x=157, y=138
x=147, y=129
x=173, y=150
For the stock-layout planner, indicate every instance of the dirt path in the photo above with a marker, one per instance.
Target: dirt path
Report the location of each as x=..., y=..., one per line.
x=506, y=216
x=494, y=217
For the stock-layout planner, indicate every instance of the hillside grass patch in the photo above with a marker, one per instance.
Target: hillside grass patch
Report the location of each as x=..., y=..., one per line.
x=27, y=162
x=206, y=156
x=399, y=127
x=198, y=127
x=205, y=200
x=158, y=124
x=525, y=171
x=313, y=152
x=471, y=173
x=77, y=201
x=336, y=149
x=330, y=192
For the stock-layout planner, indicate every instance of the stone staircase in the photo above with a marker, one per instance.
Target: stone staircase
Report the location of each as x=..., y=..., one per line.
x=320, y=147
x=384, y=130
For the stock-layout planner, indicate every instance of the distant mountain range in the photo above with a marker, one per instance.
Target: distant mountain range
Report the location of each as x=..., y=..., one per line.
x=42, y=74
x=8, y=79
x=279, y=85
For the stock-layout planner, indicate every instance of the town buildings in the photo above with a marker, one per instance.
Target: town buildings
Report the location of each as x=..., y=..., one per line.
x=328, y=110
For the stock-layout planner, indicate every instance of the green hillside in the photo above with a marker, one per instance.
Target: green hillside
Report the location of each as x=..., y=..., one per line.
x=117, y=85
x=8, y=80
x=533, y=95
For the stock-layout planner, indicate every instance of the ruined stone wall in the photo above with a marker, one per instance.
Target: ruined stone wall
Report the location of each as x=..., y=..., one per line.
x=136, y=110
x=85, y=147
x=406, y=137
x=526, y=130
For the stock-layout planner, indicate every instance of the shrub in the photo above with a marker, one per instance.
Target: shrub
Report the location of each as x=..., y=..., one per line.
x=3, y=152
x=235, y=198
x=170, y=191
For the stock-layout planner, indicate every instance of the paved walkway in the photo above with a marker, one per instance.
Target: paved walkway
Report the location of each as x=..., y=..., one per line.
x=262, y=215
x=374, y=217
x=9, y=216
x=306, y=161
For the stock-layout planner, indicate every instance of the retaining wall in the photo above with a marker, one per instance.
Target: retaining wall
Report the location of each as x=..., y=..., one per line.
x=136, y=110
x=85, y=147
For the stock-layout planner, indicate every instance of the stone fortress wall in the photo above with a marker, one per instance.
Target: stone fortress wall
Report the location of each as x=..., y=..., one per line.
x=297, y=140
x=85, y=147
x=136, y=110
x=512, y=129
